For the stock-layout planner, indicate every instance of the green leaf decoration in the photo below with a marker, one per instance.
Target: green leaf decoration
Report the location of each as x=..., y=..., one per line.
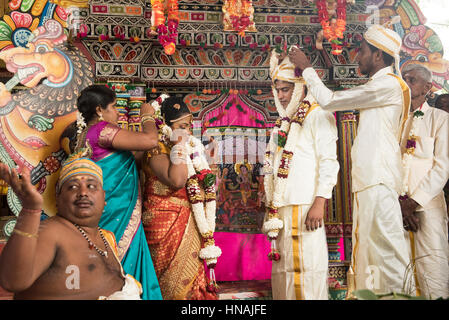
x=278, y=48
x=365, y=295
x=418, y=113
x=40, y=123
x=5, y=31
x=26, y=5
x=209, y=180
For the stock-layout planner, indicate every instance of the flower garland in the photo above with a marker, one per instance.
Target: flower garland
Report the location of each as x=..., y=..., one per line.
x=410, y=147
x=200, y=179
x=283, y=138
x=333, y=32
x=275, y=184
x=167, y=34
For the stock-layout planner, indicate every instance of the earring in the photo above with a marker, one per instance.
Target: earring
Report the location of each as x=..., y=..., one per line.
x=101, y=117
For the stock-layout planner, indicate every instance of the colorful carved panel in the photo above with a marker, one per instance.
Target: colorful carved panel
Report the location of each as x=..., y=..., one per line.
x=33, y=118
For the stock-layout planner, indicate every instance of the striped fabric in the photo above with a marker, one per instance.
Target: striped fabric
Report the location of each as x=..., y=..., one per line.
x=75, y=165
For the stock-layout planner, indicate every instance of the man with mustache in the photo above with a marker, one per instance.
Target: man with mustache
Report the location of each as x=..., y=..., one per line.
x=379, y=255
x=66, y=256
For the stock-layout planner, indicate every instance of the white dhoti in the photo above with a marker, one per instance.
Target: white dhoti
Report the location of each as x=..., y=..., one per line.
x=131, y=291
x=429, y=250
x=379, y=250
x=302, y=271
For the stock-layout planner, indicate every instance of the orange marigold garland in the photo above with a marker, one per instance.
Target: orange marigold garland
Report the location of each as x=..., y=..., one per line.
x=333, y=31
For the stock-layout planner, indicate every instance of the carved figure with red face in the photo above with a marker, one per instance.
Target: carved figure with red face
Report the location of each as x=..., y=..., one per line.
x=32, y=120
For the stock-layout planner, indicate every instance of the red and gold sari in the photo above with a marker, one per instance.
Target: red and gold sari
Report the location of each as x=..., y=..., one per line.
x=173, y=239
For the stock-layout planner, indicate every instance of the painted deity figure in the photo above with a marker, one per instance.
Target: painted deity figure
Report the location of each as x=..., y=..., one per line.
x=31, y=121
x=244, y=179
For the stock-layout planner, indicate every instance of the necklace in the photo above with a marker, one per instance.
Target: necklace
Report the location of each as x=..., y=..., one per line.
x=91, y=244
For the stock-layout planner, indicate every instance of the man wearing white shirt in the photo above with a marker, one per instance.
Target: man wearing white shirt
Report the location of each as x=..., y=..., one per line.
x=425, y=145
x=379, y=255
x=301, y=170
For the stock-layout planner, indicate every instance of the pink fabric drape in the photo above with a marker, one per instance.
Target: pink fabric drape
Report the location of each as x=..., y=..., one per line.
x=234, y=117
x=244, y=257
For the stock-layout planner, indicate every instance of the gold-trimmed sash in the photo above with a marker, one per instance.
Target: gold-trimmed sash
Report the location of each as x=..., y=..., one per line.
x=406, y=100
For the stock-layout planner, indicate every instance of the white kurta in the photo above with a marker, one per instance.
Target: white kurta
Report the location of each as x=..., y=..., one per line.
x=302, y=272
x=429, y=171
x=376, y=174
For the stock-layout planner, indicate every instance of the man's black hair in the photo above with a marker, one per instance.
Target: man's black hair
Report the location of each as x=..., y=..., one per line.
x=439, y=100
x=388, y=59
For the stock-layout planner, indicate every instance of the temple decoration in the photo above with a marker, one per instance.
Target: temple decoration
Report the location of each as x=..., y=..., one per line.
x=167, y=34
x=238, y=15
x=71, y=3
x=43, y=112
x=332, y=16
x=134, y=112
x=3, y=187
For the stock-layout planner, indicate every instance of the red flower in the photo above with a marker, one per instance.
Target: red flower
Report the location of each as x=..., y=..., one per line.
x=211, y=287
x=274, y=256
x=410, y=144
x=202, y=174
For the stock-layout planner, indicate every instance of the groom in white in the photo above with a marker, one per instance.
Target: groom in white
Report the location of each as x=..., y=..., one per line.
x=301, y=170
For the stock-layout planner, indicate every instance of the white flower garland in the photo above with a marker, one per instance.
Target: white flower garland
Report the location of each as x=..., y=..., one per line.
x=277, y=167
x=274, y=186
x=204, y=214
x=80, y=123
x=410, y=150
x=204, y=211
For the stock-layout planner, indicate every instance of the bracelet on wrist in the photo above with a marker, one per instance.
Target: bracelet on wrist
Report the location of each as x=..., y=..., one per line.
x=24, y=234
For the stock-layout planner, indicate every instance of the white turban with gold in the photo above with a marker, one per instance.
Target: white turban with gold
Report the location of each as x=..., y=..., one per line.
x=386, y=40
x=284, y=70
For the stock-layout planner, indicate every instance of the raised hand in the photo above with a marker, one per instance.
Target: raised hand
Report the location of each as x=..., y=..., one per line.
x=22, y=187
x=146, y=108
x=299, y=58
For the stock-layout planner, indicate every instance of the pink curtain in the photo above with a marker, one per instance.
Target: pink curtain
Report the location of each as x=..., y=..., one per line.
x=235, y=117
x=244, y=257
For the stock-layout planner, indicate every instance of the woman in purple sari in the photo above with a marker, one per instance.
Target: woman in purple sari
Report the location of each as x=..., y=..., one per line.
x=111, y=149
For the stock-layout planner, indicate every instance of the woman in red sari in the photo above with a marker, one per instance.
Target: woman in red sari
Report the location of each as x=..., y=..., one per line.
x=169, y=224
